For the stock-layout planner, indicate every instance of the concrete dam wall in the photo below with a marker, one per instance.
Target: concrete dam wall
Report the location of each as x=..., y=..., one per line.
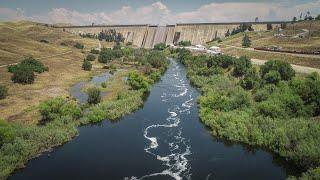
x=146, y=36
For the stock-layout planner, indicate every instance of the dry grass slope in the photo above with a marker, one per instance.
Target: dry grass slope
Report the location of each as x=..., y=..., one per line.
x=21, y=39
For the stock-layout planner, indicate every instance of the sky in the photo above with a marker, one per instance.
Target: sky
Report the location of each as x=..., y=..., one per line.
x=81, y=12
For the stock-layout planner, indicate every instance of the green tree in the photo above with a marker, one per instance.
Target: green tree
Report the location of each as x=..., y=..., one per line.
x=137, y=81
x=86, y=65
x=23, y=76
x=94, y=95
x=241, y=66
x=157, y=59
x=272, y=77
x=3, y=91
x=246, y=42
x=105, y=55
x=159, y=46
x=94, y=51
x=184, y=43
x=285, y=70
x=79, y=46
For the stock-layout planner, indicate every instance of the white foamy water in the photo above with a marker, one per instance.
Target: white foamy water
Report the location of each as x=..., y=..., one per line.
x=175, y=161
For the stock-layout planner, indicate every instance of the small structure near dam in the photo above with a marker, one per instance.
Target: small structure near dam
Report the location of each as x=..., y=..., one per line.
x=146, y=36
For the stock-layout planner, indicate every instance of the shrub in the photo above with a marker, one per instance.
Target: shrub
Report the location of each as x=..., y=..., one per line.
x=309, y=91
x=117, y=53
x=223, y=61
x=285, y=70
x=157, y=59
x=90, y=57
x=104, y=85
x=23, y=76
x=117, y=47
x=30, y=64
x=3, y=91
x=137, y=81
x=250, y=80
x=59, y=109
x=94, y=51
x=86, y=65
x=160, y=46
x=129, y=43
x=155, y=76
x=79, y=46
x=272, y=77
x=241, y=66
x=44, y=41
x=184, y=43
x=63, y=44
x=105, y=56
x=94, y=95
x=246, y=42
x=264, y=93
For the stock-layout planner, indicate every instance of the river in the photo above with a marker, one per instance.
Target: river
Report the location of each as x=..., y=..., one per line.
x=163, y=140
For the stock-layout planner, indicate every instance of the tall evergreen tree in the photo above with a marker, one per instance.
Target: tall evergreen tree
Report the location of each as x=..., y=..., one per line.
x=246, y=42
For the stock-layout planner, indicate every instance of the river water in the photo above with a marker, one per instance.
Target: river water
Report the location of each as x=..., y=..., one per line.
x=163, y=140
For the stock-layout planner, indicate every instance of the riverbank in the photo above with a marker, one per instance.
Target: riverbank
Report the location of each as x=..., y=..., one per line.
x=60, y=117
x=267, y=108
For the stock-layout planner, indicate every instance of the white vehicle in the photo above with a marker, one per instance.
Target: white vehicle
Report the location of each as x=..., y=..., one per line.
x=214, y=50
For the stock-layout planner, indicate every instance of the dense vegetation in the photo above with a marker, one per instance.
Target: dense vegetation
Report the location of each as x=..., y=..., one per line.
x=270, y=107
x=90, y=57
x=94, y=95
x=111, y=35
x=79, y=46
x=61, y=116
x=160, y=46
x=184, y=43
x=86, y=65
x=23, y=72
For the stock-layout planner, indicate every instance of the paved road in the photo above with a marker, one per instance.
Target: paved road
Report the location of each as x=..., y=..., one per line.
x=46, y=57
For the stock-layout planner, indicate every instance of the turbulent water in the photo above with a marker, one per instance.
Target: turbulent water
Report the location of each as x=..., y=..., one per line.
x=163, y=140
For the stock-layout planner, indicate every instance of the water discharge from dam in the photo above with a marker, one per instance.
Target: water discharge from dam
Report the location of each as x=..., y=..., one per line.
x=162, y=140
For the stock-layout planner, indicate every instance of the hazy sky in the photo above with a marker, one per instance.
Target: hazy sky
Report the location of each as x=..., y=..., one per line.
x=153, y=11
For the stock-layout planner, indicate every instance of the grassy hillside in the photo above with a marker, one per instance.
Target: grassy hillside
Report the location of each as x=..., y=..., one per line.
x=233, y=45
x=21, y=39
x=267, y=38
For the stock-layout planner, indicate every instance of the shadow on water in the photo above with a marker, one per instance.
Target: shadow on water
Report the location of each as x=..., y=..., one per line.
x=164, y=139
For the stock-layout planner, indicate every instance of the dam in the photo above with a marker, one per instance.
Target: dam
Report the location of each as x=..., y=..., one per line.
x=146, y=35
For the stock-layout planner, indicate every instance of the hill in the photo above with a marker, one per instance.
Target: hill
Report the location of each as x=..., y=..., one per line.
x=294, y=37
x=22, y=39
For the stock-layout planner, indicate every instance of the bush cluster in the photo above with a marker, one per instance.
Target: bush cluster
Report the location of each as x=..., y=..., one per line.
x=269, y=107
x=24, y=71
x=86, y=65
x=138, y=81
x=94, y=51
x=59, y=109
x=90, y=57
x=79, y=46
x=159, y=46
x=184, y=43
x=94, y=95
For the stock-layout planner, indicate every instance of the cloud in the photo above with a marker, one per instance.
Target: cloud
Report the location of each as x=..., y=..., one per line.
x=11, y=14
x=159, y=13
